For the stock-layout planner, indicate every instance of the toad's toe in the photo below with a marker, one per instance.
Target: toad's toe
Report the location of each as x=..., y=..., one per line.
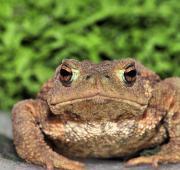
x=152, y=160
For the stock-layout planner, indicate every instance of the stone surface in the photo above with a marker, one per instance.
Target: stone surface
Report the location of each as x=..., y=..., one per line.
x=9, y=159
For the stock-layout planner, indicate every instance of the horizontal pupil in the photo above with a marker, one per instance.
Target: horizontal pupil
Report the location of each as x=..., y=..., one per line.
x=65, y=73
x=131, y=73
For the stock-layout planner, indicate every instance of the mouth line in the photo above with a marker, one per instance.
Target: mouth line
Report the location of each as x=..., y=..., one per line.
x=97, y=98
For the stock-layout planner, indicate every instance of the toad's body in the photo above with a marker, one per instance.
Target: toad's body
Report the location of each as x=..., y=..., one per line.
x=111, y=109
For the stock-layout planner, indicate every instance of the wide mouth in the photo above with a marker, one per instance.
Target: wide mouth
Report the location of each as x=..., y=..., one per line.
x=99, y=99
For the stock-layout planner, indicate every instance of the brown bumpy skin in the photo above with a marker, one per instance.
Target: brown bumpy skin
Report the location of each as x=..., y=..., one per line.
x=29, y=140
x=166, y=98
x=112, y=109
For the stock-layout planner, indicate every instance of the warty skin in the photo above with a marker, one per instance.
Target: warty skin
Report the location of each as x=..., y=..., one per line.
x=111, y=109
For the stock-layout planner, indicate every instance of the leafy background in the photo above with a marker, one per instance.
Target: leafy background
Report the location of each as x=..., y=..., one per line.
x=36, y=35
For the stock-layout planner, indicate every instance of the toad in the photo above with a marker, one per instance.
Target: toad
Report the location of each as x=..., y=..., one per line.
x=111, y=109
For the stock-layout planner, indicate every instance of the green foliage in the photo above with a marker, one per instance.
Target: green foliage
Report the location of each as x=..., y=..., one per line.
x=36, y=35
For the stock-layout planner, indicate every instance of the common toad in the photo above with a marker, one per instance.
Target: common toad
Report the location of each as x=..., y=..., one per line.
x=112, y=109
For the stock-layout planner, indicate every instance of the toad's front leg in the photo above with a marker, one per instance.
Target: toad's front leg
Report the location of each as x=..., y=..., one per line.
x=29, y=140
x=169, y=98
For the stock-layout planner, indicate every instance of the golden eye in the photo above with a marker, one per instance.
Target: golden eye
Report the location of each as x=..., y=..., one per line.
x=130, y=74
x=65, y=75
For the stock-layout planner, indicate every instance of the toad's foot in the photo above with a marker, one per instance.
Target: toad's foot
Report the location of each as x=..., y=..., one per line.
x=152, y=160
x=64, y=165
x=167, y=154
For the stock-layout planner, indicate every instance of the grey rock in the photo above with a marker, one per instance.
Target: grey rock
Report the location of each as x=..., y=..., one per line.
x=5, y=125
x=10, y=161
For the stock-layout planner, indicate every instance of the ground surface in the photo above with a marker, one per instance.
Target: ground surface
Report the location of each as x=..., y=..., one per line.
x=9, y=160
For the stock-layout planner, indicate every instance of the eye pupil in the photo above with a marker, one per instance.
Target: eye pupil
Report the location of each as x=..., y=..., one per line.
x=130, y=75
x=65, y=75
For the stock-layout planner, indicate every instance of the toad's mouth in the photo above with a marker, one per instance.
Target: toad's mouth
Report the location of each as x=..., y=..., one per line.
x=98, y=107
x=98, y=99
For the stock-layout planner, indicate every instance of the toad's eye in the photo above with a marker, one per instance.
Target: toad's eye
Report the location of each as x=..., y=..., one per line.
x=65, y=74
x=130, y=74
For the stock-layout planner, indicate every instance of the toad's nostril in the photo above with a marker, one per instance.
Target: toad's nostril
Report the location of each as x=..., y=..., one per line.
x=88, y=77
x=107, y=76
